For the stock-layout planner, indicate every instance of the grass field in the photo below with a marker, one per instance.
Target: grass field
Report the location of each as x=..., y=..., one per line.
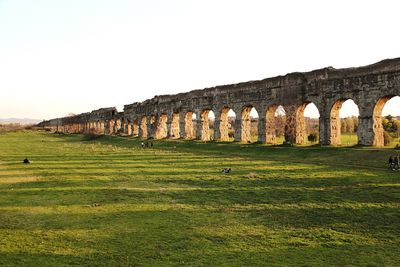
x=107, y=202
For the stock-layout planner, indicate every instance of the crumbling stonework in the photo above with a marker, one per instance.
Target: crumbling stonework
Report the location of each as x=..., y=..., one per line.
x=143, y=128
x=169, y=116
x=204, y=126
x=162, y=127
x=223, y=126
x=245, y=125
x=135, y=128
x=270, y=130
x=189, y=132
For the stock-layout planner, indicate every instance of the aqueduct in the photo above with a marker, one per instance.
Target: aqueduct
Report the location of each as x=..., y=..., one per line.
x=171, y=116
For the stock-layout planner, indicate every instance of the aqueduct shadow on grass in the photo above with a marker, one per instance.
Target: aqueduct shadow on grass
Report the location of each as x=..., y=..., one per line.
x=186, y=115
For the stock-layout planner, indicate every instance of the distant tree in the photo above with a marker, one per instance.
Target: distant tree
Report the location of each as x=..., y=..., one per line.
x=312, y=125
x=343, y=125
x=349, y=125
x=397, y=125
x=280, y=122
x=390, y=124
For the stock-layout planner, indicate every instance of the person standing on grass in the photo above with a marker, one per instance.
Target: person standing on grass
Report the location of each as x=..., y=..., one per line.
x=391, y=163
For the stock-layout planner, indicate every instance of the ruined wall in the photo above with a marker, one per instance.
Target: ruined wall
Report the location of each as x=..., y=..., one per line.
x=168, y=116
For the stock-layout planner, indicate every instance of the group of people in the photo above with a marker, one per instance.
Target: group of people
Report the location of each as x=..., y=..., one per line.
x=394, y=163
x=147, y=144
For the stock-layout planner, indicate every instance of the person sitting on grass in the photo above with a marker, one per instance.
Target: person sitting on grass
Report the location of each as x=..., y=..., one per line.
x=142, y=144
x=26, y=161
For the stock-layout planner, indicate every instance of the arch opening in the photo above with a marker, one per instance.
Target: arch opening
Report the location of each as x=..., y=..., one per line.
x=152, y=126
x=307, y=124
x=275, y=121
x=386, y=121
x=344, y=122
x=254, y=118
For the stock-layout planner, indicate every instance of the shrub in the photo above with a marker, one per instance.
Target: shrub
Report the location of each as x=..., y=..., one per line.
x=11, y=127
x=387, y=138
x=312, y=137
x=91, y=135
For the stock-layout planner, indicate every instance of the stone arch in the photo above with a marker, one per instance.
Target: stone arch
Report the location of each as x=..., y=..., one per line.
x=97, y=126
x=110, y=126
x=226, y=126
x=135, y=128
x=91, y=127
x=143, y=128
x=123, y=126
x=101, y=127
x=152, y=126
x=87, y=127
x=190, y=130
x=377, y=128
x=162, y=128
x=205, y=122
x=117, y=126
x=175, y=128
x=335, y=121
x=128, y=127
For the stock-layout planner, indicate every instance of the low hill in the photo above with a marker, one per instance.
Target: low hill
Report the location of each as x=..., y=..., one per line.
x=20, y=121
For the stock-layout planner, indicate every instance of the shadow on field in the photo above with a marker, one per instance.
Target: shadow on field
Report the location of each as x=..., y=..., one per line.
x=361, y=157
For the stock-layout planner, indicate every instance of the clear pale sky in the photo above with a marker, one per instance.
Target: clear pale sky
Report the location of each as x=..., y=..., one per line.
x=58, y=57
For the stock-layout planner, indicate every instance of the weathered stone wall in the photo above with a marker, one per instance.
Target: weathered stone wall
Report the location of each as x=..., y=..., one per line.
x=169, y=116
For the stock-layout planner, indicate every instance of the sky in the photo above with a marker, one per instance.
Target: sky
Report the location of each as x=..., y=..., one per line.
x=74, y=56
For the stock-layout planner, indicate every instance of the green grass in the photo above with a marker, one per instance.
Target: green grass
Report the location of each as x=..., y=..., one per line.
x=108, y=202
x=349, y=139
